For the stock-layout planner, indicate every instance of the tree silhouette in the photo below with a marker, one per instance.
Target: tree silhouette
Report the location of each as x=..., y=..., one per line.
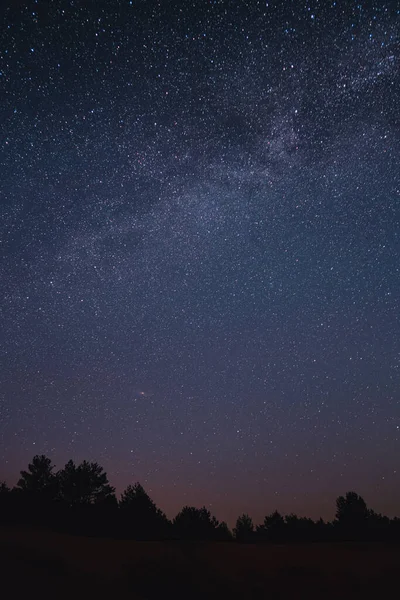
x=301, y=529
x=4, y=489
x=80, y=499
x=351, y=510
x=88, y=500
x=378, y=526
x=69, y=484
x=34, y=496
x=273, y=528
x=223, y=533
x=5, y=504
x=39, y=479
x=84, y=484
x=140, y=517
x=394, y=531
x=244, y=529
x=196, y=524
x=352, y=516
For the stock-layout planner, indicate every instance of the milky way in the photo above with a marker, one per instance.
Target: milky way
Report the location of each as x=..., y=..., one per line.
x=199, y=220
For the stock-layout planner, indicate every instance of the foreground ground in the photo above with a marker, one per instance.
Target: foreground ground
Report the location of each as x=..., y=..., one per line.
x=44, y=564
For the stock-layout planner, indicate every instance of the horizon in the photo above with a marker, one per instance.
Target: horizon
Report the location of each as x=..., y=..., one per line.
x=218, y=510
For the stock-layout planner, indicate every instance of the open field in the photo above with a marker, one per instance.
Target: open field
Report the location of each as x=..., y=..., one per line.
x=44, y=564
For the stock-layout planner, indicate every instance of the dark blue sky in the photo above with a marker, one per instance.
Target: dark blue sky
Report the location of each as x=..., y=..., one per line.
x=199, y=220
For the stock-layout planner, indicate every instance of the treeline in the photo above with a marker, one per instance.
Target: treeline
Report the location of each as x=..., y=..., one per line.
x=79, y=499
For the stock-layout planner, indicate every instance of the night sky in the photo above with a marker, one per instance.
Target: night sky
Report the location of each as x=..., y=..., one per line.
x=200, y=253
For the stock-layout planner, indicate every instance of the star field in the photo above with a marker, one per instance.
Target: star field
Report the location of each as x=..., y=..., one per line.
x=199, y=221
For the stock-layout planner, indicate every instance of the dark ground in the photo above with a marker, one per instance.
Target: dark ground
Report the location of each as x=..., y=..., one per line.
x=42, y=564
